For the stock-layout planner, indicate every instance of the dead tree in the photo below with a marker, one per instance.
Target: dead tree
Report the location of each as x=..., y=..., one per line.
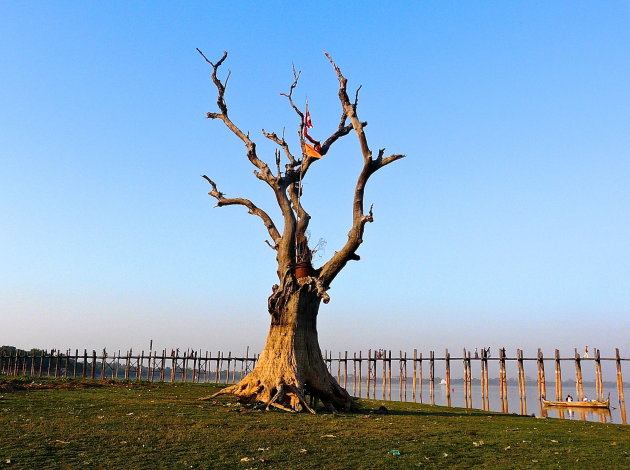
x=291, y=366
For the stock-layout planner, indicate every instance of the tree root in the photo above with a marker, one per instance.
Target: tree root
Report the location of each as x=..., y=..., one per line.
x=287, y=397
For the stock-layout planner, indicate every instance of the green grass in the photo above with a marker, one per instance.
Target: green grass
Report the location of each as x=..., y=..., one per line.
x=139, y=425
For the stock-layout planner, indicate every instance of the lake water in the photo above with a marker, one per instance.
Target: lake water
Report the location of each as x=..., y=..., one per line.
x=531, y=405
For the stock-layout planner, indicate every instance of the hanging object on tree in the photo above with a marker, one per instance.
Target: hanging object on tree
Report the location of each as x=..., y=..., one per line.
x=308, y=149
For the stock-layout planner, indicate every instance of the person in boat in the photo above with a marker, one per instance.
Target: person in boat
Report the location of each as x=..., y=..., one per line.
x=569, y=398
x=586, y=356
x=585, y=398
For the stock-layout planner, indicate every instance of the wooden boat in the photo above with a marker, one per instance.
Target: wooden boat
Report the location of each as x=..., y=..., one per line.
x=579, y=404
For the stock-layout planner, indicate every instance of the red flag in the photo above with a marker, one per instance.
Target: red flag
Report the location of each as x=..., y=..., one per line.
x=309, y=124
x=307, y=120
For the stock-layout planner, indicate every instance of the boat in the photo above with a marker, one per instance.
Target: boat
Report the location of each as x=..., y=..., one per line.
x=579, y=404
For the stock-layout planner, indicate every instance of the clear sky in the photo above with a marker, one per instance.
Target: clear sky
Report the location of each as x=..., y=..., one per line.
x=507, y=225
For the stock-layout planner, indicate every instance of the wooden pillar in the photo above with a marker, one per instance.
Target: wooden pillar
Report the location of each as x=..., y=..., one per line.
x=502, y=374
x=205, y=365
x=127, y=365
x=227, y=375
x=483, y=376
x=10, y=366
x=384, y=375
x=32, y=365
x=163, y=365
x=140, y=366
x=354, y=374
x=369, y=372
x=117, y=364
x=470, y=394
x=193, y=356
x=559, y=393
x=579, y=386
x=432, y=377
x=599, y=381
x=360, y=370
x=93, y=369
x=415, y=376
x=521, y=374
x=389, y=375
x=41, y=363
x=374, y=377
x=57, y=353
x=400, y=376
x=25, y=362
x=505, y=389
x=47, y=366
x=447, y=370
x=216, y=370
x=620, y=392
x=85, y=361
x=174, y=365
x=465, y=377
x=15, y=369
x=185, y=368
x=103, y=364
x=542, y=384
x=345, y=371
x=522, y=394
x=233, y=370
x=66, y=369
x=76, y=360
x=420, y=377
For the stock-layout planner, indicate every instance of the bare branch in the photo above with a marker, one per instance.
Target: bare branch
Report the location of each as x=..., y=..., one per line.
x=252, y=209
x=355, y=236
x=282, y=143
x=296, y=78
x=286, y=242
x=265, y=173
x=273, y=247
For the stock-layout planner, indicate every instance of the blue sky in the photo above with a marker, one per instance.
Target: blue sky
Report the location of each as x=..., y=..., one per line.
x=507, y=225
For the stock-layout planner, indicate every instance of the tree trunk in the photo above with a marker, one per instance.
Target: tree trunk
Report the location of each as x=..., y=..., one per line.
x=291, y=365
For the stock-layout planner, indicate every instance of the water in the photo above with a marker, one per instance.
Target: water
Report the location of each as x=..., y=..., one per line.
x=530, y=406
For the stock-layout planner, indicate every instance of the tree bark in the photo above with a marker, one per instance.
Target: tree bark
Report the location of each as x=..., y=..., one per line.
x=291, y=366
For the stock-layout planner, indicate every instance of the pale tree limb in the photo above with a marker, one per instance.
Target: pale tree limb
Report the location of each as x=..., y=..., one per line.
x=252, y=209
x=285, y=243
x=265, y=173
x=282, y=144
x=355, y=236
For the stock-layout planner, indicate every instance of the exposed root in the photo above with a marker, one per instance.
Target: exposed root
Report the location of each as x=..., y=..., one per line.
x=283, y=408
x=287, y=396
x=276, y=397
x=223, y=391
x=303, y=402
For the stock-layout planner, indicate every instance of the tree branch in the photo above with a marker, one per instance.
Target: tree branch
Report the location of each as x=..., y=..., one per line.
x=286, y=242
x=252, y=209
x=281, y=143
x=355, y=236
x=296, y=78
x=264, y=173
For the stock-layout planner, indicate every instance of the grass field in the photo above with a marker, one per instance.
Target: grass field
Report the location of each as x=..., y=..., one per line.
x=89, y=424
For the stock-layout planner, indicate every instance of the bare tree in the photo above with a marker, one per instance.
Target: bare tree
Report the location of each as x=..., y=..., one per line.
x=291, y=366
